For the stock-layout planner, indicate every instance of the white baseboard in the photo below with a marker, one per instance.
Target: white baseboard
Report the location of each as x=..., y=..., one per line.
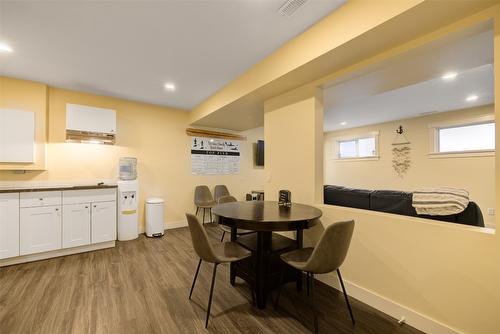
x=389, y=307
x=55, y=253
x=169, y=225
x=176, y=224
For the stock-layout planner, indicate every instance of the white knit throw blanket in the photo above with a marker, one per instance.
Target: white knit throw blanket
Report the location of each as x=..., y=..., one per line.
x=440, y=201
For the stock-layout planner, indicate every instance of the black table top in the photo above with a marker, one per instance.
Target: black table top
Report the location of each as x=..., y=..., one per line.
x=267, y=215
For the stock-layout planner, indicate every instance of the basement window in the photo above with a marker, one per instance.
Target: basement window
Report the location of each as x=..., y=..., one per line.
x=359, y=147
x=475, y=137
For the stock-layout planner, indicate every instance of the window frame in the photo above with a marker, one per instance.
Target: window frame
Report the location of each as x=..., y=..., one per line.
x=434, y=129
x=336, y=146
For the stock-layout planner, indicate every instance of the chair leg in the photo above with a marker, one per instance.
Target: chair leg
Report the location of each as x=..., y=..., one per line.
x=203, y=221
x=282, y=279
x=197, y=209
x=316, y=330
x=346, y=297
x=211, y=293
x=194, y=280
x=210, y=210
x=308, y=283
x=223, y=234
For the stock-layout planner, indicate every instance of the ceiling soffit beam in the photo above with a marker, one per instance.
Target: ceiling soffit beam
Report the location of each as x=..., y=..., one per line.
x=350, y=20
x=420, y=20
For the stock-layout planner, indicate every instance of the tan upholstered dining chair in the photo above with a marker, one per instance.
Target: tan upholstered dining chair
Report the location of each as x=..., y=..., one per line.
x=204, y=200
x=220, y=190
x=327, y=256
x=216, y=254
x=224, y=228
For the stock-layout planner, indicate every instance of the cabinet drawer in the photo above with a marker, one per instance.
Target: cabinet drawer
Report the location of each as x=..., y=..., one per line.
x=88, y=196
x=40, y=198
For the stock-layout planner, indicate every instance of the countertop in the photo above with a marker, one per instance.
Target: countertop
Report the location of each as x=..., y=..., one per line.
x=31, y=188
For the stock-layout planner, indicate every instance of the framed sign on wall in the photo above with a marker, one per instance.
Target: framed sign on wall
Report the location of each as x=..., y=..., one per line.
x=212, y=156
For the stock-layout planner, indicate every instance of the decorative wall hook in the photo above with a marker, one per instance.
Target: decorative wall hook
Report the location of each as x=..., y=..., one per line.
x=400, y=138
x=401, y=152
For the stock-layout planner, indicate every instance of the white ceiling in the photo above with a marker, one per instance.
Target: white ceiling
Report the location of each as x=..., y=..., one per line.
x=411, y=85
x=130, y=49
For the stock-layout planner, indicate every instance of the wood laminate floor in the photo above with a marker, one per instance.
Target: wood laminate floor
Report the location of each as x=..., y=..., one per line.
x=141, y=286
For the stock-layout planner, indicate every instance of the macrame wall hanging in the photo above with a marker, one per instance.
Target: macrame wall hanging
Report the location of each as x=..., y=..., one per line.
x=401, y=152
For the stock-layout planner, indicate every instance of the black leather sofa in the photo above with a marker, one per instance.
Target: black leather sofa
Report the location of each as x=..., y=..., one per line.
x=397, y=202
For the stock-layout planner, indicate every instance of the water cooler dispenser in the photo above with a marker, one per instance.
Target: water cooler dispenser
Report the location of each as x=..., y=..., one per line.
x=128, y=200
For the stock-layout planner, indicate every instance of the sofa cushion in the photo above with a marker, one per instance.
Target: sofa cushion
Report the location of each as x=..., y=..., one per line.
x=397, y=202
x=342, y=196
x=472, y=215
x=390, y=201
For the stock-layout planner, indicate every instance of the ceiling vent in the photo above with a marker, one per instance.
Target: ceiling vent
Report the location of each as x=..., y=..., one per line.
x=291, y=6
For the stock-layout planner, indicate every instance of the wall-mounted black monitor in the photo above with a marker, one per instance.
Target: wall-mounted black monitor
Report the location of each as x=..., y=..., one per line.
x=259, y=161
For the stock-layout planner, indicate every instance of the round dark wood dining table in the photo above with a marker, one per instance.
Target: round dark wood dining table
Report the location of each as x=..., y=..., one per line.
x=262, y=270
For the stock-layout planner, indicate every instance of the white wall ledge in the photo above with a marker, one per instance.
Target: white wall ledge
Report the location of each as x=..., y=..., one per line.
x=414, y=220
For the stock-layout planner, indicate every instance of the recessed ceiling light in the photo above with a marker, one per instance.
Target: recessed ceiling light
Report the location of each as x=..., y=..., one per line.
x=471, y=98
x=5, y=48
x=343, y=123
x=169, y=86
x=449, y=76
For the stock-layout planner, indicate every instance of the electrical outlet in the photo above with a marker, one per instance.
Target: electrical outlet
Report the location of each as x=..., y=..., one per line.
x=491, y=211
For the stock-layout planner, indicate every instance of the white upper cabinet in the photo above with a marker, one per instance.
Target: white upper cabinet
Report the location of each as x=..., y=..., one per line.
x=17, y=136
x=90, y=119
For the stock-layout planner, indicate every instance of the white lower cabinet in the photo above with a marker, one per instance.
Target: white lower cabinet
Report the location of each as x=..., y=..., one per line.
x=9, y=225
x=76, y=225
x=40, y=229
x=34, y=222
x=103, y=222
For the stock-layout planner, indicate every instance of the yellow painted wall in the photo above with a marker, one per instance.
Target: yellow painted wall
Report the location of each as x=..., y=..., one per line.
x=28, y=96
x=474, y=173
x=155, y=135
x=445, y=272
x=293, y=135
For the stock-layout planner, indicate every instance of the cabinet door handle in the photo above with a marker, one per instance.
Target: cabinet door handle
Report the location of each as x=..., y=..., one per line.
x=57, y=209
x=86, y=206
x=95, y=206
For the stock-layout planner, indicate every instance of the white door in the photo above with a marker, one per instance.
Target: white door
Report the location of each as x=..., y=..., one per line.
x=9, y=225
x=76, y=225
x=40, y=229
x=103, y=221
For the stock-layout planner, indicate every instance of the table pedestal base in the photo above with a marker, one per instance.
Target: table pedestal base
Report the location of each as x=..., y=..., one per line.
x=263, y=269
